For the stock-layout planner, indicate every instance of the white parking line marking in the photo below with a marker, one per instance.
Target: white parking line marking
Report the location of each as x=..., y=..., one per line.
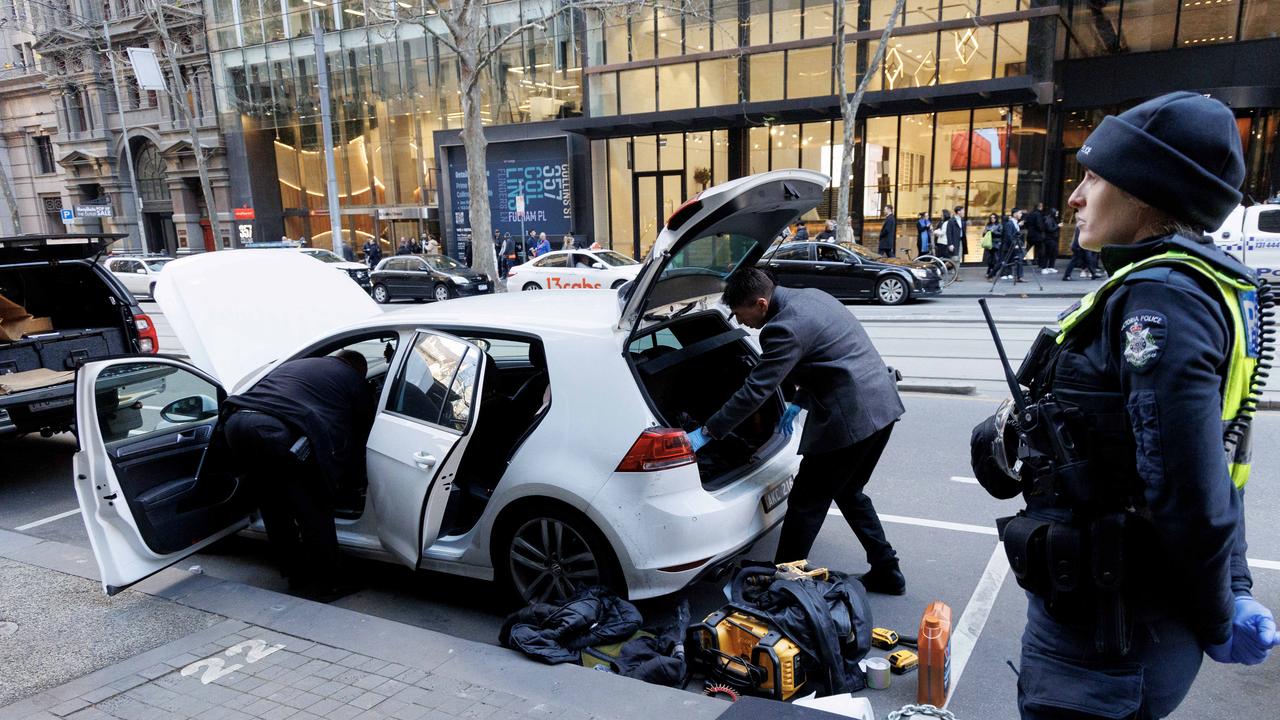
x=974, y=617
x=965, y=480
x=46, y=521
x=1264, y=564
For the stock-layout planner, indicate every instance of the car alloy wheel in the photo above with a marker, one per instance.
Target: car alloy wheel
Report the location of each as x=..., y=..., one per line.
x=891, y=291
x=380, y=294
x=442, y=292
x=531, y=286
x=549, y=560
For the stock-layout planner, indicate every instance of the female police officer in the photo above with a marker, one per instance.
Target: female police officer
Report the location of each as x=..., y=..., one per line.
x=1132, y=544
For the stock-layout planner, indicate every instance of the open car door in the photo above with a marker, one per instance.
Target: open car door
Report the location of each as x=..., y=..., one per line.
x=419, y=436
x=151, y=472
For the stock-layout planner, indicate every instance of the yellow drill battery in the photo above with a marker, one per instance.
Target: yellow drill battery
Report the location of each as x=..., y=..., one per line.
x=883, y=638
x=903, y=661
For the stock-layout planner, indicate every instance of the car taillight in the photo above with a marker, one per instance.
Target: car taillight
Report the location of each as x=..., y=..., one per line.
x=658, y=449
x=148, y=341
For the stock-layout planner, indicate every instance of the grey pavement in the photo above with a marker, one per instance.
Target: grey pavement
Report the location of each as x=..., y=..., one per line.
x=226, y=651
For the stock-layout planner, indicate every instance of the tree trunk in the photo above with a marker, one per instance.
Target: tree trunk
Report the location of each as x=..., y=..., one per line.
x=483, y=257
x=849, y=109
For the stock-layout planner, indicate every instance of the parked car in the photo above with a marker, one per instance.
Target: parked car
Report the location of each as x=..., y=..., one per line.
x=1252, y=234
x=359, y=272
x=574, y=269
x=850, y=272
x=137, y=273
x=59, y=308
x=476, y=461
x=419, y=277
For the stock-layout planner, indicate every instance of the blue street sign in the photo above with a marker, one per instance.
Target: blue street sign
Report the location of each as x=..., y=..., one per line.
x=68, y=217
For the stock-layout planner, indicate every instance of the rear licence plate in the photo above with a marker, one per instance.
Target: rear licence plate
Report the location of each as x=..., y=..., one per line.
x=482, y=287
x=776, y=494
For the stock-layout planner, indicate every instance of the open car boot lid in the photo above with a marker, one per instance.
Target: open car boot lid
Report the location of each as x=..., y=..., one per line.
x=708, y=238
x=68, y=246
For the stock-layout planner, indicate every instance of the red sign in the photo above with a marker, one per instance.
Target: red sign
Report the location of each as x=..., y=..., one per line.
x=243, y=213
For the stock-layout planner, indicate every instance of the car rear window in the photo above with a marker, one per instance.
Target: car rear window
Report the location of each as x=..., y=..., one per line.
x=1269, y=221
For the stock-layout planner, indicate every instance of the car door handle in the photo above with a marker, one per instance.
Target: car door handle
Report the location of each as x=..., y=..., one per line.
x=819, y=267
x=424, y=460
x=773, y=264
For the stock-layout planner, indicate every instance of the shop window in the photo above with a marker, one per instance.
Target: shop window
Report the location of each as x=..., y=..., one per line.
x=924, y=12
x=670, y=34
x=603, y=91
x=950, y=171
x=759, y=23
x=697, y=169
x=617, y=40
x=809, y=72
x=819, y=18
x=1207, y=23
x=879, y=14
x=724, y=33
x=44, y=155
x=719, y=156
x=1261, y=19
x=644, y=153
x=678, y=86
x=697, y=32
x=636, y=91
x=718, y=82
x=620, y=221
x=671, y=154
x=915, y=145
x=643, y=36
x=1011, y=50
x=815, y=143
x=880, y=171
x=966, y=54
x=787, y=20
x=911, y=61
x=1096, y=28
x=766, y=73
x=758, y=138
x=996, y=7
x=1149, y=24
x=785, y=146
x=991, y=158
x=959, y=9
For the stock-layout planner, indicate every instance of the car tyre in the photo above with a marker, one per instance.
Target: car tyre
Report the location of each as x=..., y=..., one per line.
x=531, y=286
x=546, y=552
x=442, y=292
x=380, y=294
x=617, y=284
x=892, y=290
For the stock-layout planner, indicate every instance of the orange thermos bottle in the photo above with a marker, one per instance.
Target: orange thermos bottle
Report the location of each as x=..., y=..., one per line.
x=934, y=645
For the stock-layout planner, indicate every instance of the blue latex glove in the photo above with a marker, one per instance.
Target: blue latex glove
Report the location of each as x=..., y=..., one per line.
x=698, y=439
x=786, y=425
x=1253, y=634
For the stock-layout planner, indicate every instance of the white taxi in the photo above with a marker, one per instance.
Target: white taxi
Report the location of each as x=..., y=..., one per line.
x=574, y=270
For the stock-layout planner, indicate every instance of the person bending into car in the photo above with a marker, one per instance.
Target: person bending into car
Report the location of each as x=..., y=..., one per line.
x=810, y=341
x=298, y=436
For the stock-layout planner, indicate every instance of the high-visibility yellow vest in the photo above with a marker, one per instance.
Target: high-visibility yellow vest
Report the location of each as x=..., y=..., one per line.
x=1240, y=297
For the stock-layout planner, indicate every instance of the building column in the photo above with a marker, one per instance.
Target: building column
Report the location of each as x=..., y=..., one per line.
x=186, y=216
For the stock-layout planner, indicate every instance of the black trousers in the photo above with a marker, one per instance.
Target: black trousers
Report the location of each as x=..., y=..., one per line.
x=841, y=476
x=295, y=500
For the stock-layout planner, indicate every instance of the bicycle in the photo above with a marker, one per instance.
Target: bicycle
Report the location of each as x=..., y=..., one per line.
x=947, y=268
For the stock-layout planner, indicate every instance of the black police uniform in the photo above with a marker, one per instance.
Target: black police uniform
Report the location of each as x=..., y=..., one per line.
x=326, y=401
x=1142, y=381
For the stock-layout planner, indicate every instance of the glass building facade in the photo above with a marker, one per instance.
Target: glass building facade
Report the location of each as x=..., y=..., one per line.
x=973, y=106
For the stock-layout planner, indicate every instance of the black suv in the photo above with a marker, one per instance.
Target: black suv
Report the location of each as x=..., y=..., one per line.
x=59, y=308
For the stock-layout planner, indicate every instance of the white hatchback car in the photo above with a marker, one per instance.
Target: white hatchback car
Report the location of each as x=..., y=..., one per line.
x=534, y=439
x=138, y=273
x=574, y=270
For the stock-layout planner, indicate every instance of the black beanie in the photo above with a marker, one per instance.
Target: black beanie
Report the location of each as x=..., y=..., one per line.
x=1179, y=152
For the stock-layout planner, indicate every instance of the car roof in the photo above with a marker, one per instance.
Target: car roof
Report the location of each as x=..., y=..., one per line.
x=543, y=312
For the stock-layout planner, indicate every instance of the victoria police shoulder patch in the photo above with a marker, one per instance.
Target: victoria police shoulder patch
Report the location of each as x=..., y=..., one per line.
x=1144, y=339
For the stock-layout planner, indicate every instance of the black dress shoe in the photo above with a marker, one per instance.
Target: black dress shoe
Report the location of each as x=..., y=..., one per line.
x=884, y=579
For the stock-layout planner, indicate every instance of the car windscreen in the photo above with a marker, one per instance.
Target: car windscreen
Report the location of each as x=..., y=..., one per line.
x=700, y=267
x=614, y=259
x=444, y=262
x=156, y=265
x=859, y=250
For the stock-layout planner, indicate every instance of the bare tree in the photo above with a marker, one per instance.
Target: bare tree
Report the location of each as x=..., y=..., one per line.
x=849, y=107
x=184, y=103
x=463, y=27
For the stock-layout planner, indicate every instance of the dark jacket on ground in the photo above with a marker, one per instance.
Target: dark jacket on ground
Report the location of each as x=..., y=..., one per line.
x=813, y=342
x=325, y=399
x=888, y=234
x=557, y=633
x=1158, y=358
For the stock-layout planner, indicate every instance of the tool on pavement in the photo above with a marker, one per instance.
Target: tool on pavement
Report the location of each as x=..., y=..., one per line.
x=749, y=653
x=800, y=569
x=935, y=655
x=887, y=639
x=921, y=710
x=903, y=662
x=721, y=691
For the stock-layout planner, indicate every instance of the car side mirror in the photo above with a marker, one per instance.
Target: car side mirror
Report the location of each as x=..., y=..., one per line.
x=1226, y=234
x=140, y=271
x=190, y=409
x=597, y=266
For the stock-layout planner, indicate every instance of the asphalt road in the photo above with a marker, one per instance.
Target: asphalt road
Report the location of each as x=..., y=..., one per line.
x=940, y=521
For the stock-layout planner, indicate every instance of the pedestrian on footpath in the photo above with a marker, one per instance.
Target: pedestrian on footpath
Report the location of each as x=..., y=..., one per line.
x=1079, y=258
x=1012, y=248
x=299, y=438
x=372, y=252
x=888, y=232
x=924, y=233
x=992, y=234
x=1050, y=220
x=813, y=343
x=544, y=245
x=956, y=237
x=1033, y=234
x=1133, y=554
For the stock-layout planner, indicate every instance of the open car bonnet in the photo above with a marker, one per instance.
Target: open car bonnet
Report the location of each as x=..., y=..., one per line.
x=237, y=310
x=716, y=232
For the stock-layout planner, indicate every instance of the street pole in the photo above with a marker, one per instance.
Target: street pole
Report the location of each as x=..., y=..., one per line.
x=124, y=138
x=326, y=125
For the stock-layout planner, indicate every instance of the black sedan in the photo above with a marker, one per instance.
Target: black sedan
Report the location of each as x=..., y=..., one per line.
x=419, y=277
x=850, y=272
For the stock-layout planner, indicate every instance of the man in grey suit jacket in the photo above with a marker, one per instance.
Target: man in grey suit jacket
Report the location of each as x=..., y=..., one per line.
x=810, y=341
